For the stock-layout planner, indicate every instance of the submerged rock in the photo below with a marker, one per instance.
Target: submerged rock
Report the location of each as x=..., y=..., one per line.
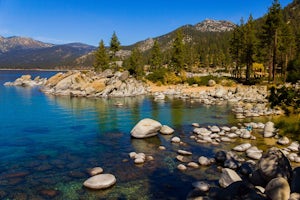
x=96, y=170
x=201, y=185
x=101, y=181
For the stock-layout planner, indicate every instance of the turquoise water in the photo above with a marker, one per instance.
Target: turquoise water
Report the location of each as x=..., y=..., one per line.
x=48, y=143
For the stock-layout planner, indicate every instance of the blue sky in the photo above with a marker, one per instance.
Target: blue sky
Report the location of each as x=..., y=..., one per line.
x=89, y=21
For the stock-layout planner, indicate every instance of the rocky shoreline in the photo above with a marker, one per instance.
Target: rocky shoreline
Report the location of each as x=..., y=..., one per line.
x=256, y=175
x=248, y=101
x=245, y=171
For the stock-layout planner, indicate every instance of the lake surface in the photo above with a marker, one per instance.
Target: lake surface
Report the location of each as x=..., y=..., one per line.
x=48, y=143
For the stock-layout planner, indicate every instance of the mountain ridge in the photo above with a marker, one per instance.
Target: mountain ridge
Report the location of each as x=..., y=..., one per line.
x=17, y=43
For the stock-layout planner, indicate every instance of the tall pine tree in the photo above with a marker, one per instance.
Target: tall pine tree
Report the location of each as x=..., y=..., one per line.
x=156, y=56
x=270, y=36
x=115, y=45
x=134, y=63
x=236, y=45
x=249, y=46
x=101, y=61
x=177, y=60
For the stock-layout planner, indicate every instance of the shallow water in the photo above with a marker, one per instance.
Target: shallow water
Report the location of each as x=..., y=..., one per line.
x=48, y=143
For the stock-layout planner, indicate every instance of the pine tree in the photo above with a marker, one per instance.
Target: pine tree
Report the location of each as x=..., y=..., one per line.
x=134, y=63
x=177, y=60
x=236, y=45
x=249, y=46
x=286, y=47
x=156, y=56
x=274, y=21
x=101, y=61
x=115, y=45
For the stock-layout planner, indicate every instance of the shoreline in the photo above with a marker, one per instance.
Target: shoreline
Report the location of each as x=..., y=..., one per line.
x=31, y=69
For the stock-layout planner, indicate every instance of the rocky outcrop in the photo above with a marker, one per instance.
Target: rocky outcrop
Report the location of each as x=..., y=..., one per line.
x=86, y=84
x=26, y=81
x=91, y=84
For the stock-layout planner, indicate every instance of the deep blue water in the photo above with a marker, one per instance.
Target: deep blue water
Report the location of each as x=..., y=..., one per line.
x=48, y=143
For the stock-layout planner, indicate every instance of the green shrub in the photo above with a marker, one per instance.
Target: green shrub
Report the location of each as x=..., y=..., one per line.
x=157, y=76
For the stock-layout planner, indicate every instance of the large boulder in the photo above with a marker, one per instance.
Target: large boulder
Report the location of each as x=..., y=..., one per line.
x=274, y=164
x=228, y=177
x=278, y=188
x=295, y=184
x=239, y=190
x=146, y=128
x=101, y=181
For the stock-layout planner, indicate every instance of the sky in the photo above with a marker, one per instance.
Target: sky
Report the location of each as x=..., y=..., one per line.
x=89, y=21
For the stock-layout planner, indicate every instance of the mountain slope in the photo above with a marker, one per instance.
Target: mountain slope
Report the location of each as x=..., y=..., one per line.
x=19, y=43
x=48, y=57
x=192, y=34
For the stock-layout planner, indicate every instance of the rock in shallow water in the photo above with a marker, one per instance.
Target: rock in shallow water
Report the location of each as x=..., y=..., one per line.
x=166, y=130
x=202, y=186
x=269, y=129
x=146, y=128
x=242, y=147
x=181, y=167
x=101, y=181
x=95, y=171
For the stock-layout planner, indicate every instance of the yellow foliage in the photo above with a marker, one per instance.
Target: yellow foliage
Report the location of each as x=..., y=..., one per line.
x=172, y=78
x=258, y=67
x=183, y=76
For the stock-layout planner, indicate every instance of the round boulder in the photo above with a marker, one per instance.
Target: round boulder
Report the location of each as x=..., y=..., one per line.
x=101, y=181
x=242, y=147
x=95, y=171
x=274, y=164
x=166, y=130
x=283, y=140
x=146, y=128
x=278, y=188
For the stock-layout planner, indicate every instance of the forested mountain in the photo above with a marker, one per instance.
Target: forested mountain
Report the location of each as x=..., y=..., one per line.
x=20, y=52
x=206, y=42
